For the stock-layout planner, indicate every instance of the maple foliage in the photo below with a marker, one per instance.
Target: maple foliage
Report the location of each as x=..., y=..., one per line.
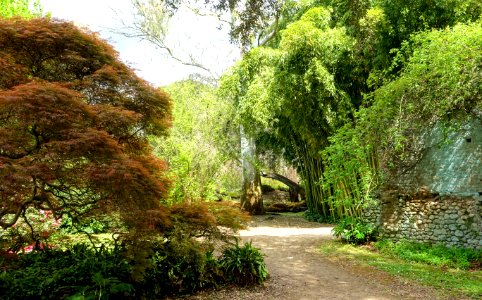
x=74, y=122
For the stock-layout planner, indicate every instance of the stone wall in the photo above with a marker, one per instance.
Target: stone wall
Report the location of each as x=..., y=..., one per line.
x=434, y=219
x=439, y=200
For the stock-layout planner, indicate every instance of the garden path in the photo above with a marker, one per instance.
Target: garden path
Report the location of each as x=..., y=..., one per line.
x=298, y=271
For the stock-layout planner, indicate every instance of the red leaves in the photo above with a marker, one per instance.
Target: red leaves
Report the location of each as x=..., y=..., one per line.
x=12, y=74
x=73, y=124
x=49, y=106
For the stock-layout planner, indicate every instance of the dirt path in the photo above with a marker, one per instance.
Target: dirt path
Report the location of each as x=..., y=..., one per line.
x=298, y=271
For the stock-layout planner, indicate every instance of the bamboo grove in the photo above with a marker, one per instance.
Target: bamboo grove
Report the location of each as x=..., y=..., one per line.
x=343, y=85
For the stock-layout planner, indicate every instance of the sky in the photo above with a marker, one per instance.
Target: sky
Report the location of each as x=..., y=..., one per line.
x=188, y=34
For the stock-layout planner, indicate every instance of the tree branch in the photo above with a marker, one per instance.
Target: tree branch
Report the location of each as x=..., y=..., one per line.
x=153, y=28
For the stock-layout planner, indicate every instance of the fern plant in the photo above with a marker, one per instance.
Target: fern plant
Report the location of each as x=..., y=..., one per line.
x=244, y=265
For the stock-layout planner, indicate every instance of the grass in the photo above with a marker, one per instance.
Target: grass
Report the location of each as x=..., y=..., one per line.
x=449, y=281
x=437, y=255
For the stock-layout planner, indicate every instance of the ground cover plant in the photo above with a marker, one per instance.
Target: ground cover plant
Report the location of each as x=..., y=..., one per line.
x=178, y=262
x=437, y=255
x=354, y=231
x=453, y=272
x=84, y=272
x=244, y=265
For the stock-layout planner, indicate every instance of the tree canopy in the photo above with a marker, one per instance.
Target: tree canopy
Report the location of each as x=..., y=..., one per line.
x=333, y=65
x=74, y=123
x=201, y=145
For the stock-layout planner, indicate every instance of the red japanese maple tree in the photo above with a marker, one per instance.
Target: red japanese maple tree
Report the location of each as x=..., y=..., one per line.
x=74, y=123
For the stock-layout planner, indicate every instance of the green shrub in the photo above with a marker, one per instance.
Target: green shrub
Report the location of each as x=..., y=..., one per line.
x=175, y=267
x=92, y=226
x=438, y=255
x=180, y=267
x=139, y=264
x=354, y=231
x=244, y=265
x=79, y=271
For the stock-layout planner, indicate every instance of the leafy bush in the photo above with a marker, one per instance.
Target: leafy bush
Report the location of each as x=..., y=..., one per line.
x=88, y=226
x=171, y=256
x=438, y=255
x=35, y=228
x=180, y=266
x=354, y=231
x=80, y=271
x=199, y=146
x=177, y=267
x=243, y=265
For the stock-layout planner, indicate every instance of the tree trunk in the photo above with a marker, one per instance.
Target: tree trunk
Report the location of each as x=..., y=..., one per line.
x=251, y=200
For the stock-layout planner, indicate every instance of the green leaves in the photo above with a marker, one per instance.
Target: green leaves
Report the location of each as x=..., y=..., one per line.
x=289, y=97
x=20, y=8
x=441, y=81
x=244, y=265
x=201, y=142
x=354, y=231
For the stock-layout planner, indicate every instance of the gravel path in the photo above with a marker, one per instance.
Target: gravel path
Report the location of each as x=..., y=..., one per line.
x=299, y=271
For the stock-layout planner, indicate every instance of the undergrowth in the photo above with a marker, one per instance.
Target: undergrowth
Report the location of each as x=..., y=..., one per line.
x=437, y=255
x=417, y=263
x=142, y=264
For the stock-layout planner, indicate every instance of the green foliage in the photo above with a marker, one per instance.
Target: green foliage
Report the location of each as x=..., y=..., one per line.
x=177, y=262
x=354, y=231
x=439, y=85
x=347, y=83
x=437, y=255
x=87, y=226
x=20, y=8
x=351, y=172
x=180, y=266
x=447, y=283
x=243, y=265
x=288, y=98
x=305, y=80
x=201, y=142
x=35, y=228
x=79, y=271
x=408, y=17
x=269, y=185
x=175, y=267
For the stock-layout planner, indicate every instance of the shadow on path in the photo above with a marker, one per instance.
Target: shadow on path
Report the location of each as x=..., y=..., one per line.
x=298, y=271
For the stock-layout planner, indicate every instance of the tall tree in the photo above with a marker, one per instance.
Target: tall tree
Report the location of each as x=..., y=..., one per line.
x=74, y=122
x=289, y=98
x=251, y=23
x=201, y=142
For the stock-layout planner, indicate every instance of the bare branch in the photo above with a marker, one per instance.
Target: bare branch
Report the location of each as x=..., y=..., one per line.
x=152, y=25
x=200, y=13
